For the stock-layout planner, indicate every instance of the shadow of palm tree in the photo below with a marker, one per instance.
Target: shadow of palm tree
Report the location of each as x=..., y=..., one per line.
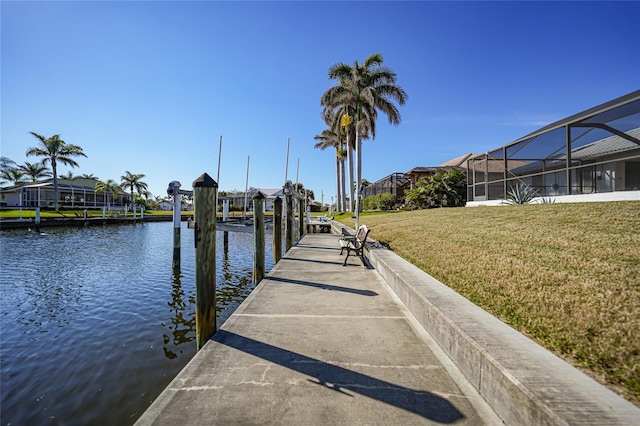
x=323, y=286
x=347, y=382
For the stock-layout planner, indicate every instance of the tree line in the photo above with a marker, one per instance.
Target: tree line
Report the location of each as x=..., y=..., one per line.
x=53, y=151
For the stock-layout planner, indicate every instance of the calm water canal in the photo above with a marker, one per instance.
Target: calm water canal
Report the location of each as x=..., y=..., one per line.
x=95, y=323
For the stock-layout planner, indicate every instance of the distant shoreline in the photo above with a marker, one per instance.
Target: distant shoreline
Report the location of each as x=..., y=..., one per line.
x=48, y=222
x=90, y=221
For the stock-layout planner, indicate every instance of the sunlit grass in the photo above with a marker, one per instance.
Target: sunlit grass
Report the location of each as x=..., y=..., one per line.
x=566, y=275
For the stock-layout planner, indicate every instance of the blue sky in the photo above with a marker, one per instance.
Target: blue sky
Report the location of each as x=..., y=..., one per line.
x=149, y=86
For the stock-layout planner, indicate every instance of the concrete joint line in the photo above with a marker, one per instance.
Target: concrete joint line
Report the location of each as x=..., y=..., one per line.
x=392, y=317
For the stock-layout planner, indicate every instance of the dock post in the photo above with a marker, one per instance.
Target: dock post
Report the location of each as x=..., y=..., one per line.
x=174, y=187
x=225, y=210
x=38, y=219
x=288, y=223
x=277, y=230
x=205, y=190
x=258, y=237
x=301, y=217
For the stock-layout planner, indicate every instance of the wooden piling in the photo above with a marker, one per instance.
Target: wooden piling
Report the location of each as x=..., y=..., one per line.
x=301, y=220
x=204, y=200
x=277, y=229
x=289, y=222
x=176, y=230
x=258, y=237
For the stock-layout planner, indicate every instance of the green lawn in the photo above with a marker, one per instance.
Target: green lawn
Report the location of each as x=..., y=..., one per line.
x=566, y=275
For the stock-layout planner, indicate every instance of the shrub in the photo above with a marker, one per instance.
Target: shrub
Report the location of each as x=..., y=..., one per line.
x=383, y=201
x=444, y=189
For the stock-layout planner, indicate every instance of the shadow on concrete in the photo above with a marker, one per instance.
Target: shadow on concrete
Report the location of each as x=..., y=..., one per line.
x=323, y=286
x=361, y=262
x=346, y=382
x=336, y=248
x=312, y=261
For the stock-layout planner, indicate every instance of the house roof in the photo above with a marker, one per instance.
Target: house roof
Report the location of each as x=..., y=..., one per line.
x=268, y=193
x=458, y=161
x=271, y=192
x=422, y=170
x=606, y=146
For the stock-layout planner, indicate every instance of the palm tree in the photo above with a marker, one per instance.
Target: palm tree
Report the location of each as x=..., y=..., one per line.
x=6, y=163
x=12, y=175
x=110, y=186
x=143, y=199
x=332, y=138
x=35, y=171
x=344, y=121
x=308, y=193
x=364, y=89
x=132, y=182
x=55, y=150
x=88, y=176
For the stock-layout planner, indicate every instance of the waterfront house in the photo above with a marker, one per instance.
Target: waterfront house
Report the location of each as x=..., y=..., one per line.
x=73, y=193
x=591, y=155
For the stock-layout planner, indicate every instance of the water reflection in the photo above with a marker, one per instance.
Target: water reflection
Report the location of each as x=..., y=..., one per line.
x=236, y=283
x=233, y=284
x=183, y=319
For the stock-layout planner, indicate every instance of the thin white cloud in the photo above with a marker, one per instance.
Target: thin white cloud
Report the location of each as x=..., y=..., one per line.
x=495, y=120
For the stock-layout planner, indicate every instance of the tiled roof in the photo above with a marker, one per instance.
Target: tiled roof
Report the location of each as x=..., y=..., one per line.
x=458, y=161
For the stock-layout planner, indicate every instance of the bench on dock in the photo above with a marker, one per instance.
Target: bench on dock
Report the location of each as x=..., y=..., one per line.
x=354, y=243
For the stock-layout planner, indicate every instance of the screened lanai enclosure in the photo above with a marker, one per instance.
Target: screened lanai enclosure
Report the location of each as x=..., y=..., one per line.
x=72, y=193
x=595, y=151
x=395, y=184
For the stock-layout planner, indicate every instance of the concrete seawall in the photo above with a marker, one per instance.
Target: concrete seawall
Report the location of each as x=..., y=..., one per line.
x=524, y=383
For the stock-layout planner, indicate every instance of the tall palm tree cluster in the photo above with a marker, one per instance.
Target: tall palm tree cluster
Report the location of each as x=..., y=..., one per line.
x=350, y=110
x=56, y=151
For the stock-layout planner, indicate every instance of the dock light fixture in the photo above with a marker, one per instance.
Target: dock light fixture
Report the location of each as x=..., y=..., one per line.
x=174, y=188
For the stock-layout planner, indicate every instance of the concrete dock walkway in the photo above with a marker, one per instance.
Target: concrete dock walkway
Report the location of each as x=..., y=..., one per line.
x=319, y=343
